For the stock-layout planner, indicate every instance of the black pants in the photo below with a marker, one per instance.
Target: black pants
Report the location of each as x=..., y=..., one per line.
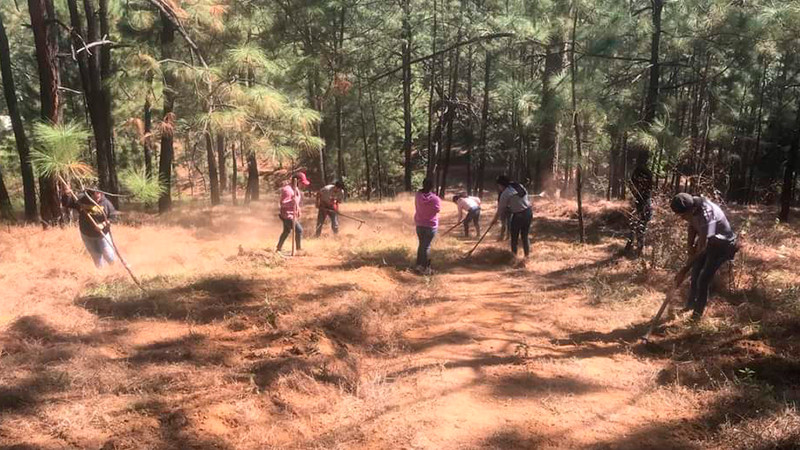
x=520, y=227
x=703, y=270
x=287, y=229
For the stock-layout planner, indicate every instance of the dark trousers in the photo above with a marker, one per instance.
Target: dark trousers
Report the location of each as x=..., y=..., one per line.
x=474, y=216
x=640, y=217
x=520, y=227
x=322, y=214
x=703, y=271
x=287, y=229
x=425, y=236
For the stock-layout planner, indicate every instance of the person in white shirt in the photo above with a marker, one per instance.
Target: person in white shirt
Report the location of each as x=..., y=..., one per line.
x=328, y=199
x=472, y=207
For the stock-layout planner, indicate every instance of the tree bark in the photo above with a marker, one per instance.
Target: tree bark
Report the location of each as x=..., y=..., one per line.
x=543, y=167
x=379, y=169
x=431, y=162
x=484, y=123
x=407, y=144
x=577, y=125
x=10, y=93
x=451, y=114
x=234, y=174
x=167, y=151
x=45, y=38
x=6, y=210
x=653, y=86
x=365, y=140
x=147, y=143
x=213, y=176
x=787, y=192
x=253, y=185
x=339, y=43
x=757, y=149
x=223, y=176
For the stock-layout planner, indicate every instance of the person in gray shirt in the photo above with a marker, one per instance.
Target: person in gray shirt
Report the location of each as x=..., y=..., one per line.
x=514, y=201
x=711, y=243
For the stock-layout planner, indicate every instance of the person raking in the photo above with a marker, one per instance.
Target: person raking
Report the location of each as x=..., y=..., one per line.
x=95, y=213
x=472, y=207
x=711, y=242
x=514, y=201
x=426, y=218
x=328, y=199
x=291, y=202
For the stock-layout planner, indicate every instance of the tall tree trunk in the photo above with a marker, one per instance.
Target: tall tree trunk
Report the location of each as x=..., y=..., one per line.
x=787, y=193
x=253, y=185
x=167, y=135
x=234, y=173
x=757, y=149
x=542, y=170
x=43, y=24
x=577, y=125
x=6, y=210
x=653, y=85
x=94, y=67
x=487, y=78
x=10, y=93
x=213, y=177
x=364, y=138
x=432, y=156
x=341, y=169
x=147, y=143
x=407, y=94
x=379, y=169
x=471, y=135
x=451, y=114
x=223, y=175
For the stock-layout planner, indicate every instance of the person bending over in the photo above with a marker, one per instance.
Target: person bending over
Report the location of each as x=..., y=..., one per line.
x=472, y=207
x=328, y=199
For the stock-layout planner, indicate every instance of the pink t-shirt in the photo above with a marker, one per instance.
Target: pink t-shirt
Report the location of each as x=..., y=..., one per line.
x=428, y=206
x=289, y=199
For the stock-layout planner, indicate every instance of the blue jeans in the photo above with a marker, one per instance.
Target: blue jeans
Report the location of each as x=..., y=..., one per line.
x=322, y=214
x=287, y=229
x=474, y=216
x=703, y=271
x=520, y=227
x=425, y=235
x=100, y=249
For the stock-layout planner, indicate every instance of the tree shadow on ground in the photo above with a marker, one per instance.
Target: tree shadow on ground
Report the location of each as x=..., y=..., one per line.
x=446, y=260
x=203, y=301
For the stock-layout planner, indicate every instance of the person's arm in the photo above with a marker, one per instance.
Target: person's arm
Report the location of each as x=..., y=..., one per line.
x=460, y=211
x=697, y=248
x=502, y=205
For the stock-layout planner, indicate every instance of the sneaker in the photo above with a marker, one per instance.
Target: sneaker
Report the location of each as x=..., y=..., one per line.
x=419, y=269
x=427, y=271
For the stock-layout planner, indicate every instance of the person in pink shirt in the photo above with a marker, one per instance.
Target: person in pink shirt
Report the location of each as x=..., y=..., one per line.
x=291, y=202
x=426, y=218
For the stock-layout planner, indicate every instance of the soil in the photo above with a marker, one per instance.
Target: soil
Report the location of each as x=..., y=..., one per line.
x=343, y=346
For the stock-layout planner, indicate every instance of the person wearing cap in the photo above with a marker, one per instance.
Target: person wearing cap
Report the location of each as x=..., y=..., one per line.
x=426, y=217
x=328, y=199
x=514, y=201
x=472, y=206
x=711, y=242
x=95, y=213
x=291, y=201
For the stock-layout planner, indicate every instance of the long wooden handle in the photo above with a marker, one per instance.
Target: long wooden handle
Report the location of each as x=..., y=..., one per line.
x=480, y=240
x=454, y=227
x=657, y=317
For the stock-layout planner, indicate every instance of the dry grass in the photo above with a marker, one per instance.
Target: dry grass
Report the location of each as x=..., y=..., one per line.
x=234, y=346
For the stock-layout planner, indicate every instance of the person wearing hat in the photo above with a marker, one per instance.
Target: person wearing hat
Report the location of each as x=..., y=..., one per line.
x=95, y=213
x=514, y=201
x=472, y=206
x=328, y=199
x=711, y=242
x=291, y=201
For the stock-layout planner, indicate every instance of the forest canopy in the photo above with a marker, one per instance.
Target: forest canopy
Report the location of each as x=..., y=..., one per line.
x=157, y=99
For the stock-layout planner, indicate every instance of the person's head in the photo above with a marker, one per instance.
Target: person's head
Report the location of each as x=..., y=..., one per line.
x=301, y=178
x=457, y=197
x=339, y=186
x=427, y=185
x=683, y=205
x=95, y=194
x=502, y=182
